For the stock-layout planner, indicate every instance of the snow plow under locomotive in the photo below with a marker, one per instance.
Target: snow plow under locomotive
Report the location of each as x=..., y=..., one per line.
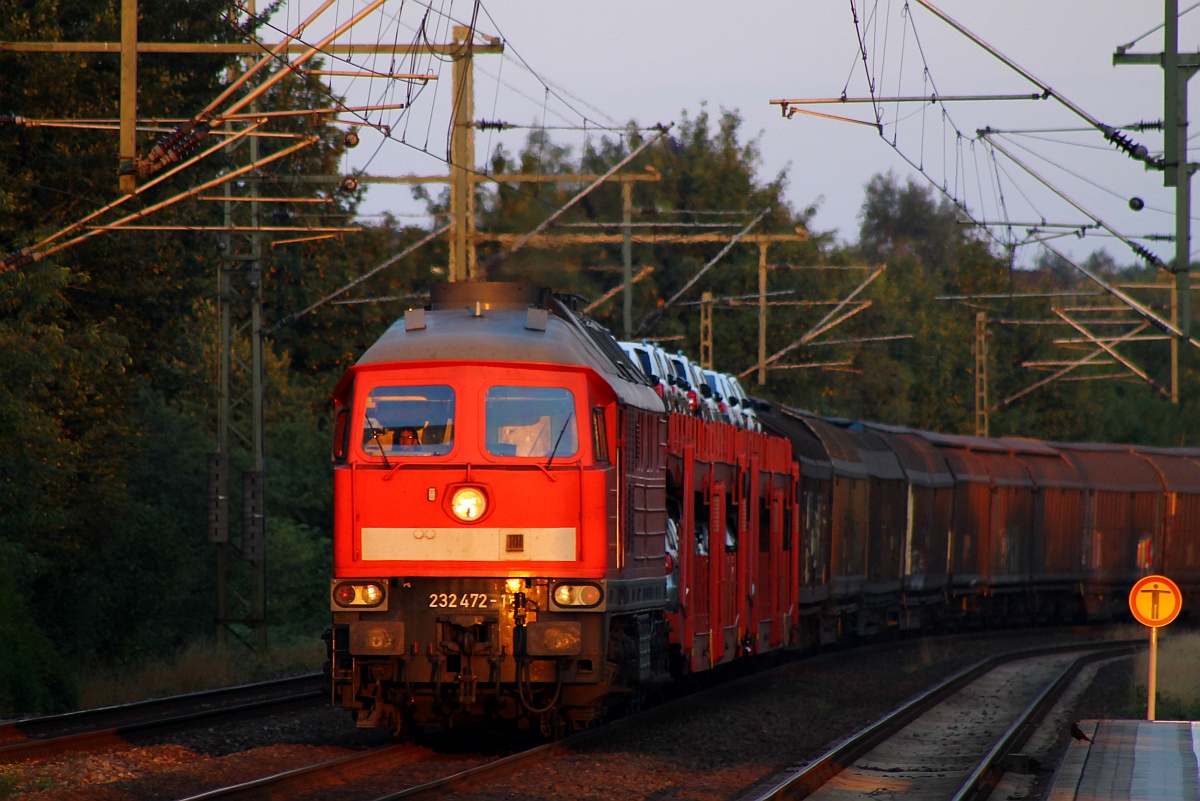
x=523, y=531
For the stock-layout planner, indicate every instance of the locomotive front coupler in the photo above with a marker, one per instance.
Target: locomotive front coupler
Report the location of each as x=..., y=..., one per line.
x=495, y=660
x=435, y=663
x=466, y=673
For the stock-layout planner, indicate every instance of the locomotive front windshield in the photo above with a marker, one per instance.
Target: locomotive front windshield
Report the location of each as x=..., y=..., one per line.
x=409, y=421
x=531, y=421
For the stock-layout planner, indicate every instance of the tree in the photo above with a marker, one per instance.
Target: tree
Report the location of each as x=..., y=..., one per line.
x=109, y=351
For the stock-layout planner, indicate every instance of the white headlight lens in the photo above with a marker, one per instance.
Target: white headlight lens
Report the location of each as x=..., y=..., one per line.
x=468, y=504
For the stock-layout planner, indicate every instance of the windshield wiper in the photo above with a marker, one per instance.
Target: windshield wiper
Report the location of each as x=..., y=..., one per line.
x=375, y=436
x=562, y=431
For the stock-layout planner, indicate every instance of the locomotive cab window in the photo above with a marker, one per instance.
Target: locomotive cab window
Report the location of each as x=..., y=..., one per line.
x=409, y=421
x=536, y=422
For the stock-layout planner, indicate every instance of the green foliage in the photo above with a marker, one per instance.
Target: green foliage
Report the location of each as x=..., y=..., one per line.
x=298, y=577
x=34, y=675
x=10, y=778
x=109, y=351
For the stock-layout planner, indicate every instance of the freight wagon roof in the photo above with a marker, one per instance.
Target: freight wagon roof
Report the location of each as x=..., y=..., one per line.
x=808, y=450
x=1024, y=445
x=1178, y=473
x=839, y=445
x=964, y=442
x=880, y=460
x=510, y=331
x=964, y=463
x=1112, y=468
x=1053, y=470
x=1006, y=470
x=923, y=464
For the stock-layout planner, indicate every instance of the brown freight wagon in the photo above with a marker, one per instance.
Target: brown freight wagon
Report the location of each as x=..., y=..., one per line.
x=928, y=519
x=817, y=617
x=971, y=521
x=888, y=518
x=1177, y=553
x=1122, y=519
x=1056, y=551
x=851, y=515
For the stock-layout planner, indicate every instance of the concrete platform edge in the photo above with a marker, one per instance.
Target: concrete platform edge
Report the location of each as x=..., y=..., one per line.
x=1065, y=783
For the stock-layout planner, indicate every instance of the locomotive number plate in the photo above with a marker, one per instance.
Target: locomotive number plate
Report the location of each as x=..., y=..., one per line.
x=461, y=600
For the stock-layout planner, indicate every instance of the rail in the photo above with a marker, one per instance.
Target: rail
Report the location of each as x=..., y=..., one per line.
x=804, y=782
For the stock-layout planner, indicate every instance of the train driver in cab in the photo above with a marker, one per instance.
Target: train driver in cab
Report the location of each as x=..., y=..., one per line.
x=406, y=439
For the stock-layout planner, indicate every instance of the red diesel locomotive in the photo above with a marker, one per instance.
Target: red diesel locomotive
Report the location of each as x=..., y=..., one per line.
x=523, y=532
x=509, y=558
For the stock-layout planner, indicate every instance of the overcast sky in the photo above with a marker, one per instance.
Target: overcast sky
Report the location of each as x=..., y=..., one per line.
x=649, y=60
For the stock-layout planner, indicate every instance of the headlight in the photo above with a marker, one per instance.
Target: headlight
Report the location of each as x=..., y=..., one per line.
x=358, y=595
x=585, y=595
x=468, y=504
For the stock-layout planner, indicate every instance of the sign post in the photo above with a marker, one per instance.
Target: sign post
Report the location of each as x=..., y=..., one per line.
x=1155, y=601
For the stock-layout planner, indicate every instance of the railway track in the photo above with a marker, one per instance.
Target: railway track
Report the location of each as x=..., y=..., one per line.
x=118, y=726
x=1043, y=673
x=469, y=763
x=950, y=743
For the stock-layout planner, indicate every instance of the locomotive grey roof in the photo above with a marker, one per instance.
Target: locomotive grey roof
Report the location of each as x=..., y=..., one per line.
x=498, y=323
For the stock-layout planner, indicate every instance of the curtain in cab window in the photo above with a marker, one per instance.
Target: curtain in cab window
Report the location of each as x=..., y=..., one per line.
x=531, y=421
x=409, y=421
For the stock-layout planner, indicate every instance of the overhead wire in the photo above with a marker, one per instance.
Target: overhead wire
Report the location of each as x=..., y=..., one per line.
x=545, y=83
x=955, y=184
x=1073, y=173
x=422, y=36
x=549, y=89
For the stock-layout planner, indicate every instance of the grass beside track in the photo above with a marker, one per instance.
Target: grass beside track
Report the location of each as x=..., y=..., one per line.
x=200, y=666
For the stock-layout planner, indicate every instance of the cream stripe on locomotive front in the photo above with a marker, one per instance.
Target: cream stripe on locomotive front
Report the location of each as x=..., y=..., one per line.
x=470, y=544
